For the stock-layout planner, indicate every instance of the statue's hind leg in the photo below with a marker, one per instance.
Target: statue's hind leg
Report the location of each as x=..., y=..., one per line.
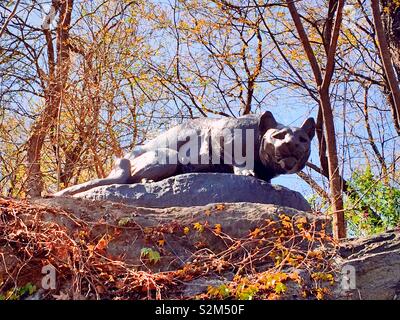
x=154, y=165
x=119, y=175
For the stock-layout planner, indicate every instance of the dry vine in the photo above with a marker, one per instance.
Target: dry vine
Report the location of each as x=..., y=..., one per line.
x=278, y=258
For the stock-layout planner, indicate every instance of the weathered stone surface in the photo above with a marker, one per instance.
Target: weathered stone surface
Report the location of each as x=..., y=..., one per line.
x=127, y=226
x=235, y=218
x=197, y=189
x=376, y=261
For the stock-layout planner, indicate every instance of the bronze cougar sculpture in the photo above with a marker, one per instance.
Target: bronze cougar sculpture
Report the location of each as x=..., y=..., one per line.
x=205, y=145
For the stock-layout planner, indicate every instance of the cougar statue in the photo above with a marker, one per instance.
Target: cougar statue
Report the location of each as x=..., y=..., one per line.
x=214, y=145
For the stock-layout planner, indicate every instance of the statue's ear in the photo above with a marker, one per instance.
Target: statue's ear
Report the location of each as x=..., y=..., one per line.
x=309, y=127
x=267, y=121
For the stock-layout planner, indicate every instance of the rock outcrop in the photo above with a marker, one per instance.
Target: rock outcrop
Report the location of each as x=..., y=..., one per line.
x=198, y=189
x=105, y=250
x=376, y=262
x=236, y=220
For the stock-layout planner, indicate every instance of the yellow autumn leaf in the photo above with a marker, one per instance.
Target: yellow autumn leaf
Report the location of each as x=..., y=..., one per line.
x=198, y=226
x=186, y=230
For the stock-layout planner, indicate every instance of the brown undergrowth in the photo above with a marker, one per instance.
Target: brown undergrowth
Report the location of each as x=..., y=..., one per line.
x=281, y=259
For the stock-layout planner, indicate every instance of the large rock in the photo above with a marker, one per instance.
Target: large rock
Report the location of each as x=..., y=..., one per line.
x=103, y=241
x=376, y=264
x=236, y=219
x=77, y=230
x=197, y=189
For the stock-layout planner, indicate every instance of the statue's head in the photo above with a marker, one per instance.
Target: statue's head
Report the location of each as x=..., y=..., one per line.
x=285, y=149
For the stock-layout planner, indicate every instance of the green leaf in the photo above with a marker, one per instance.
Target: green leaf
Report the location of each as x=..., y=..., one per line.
x=152, y=255
x=280, y=288
x=145, y=251
x=124, y=221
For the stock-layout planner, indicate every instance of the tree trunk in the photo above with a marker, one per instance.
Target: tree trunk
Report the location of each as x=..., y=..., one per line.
x=56, y=80
x=335, y=182
x=323, y=84
x=388, y=49
x=391, y=21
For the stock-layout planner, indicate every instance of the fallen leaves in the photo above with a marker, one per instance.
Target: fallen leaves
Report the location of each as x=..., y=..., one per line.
x=124, y=221
x=61, y=296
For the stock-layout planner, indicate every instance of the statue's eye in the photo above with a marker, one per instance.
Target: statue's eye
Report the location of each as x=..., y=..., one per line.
x=303, y=140
x=279, y=135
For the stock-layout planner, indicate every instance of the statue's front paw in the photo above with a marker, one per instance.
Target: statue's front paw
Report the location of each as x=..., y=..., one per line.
x=243, y=172
x=145, y=180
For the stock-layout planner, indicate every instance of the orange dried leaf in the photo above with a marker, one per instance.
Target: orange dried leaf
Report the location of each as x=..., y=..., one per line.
x=217, y=228
x=103, y=242
x=255, y=232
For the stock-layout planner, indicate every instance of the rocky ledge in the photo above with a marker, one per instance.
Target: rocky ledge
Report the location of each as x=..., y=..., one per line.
x=198, y=189
x=105, y=250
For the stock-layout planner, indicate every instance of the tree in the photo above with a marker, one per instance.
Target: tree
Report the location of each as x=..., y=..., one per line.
x=11, y=15
x=323, y=84
x=58, y=54
x=384, y=49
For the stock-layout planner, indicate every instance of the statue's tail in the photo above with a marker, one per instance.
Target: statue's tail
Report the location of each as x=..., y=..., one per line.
x=120, y=174
x=80, y=188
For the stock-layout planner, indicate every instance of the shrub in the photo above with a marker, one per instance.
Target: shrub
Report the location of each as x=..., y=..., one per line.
x=373, y=206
